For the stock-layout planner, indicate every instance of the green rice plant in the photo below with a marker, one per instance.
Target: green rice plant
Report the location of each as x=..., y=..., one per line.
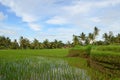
x=40, y=68
x=47, y=64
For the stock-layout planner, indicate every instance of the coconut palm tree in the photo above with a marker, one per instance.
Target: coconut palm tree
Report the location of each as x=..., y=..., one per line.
x=118, y=38
x=35, y=44
x=96, y=32
x=91, y=38
x=82, y=38
x=75, y=40
x=106, y=38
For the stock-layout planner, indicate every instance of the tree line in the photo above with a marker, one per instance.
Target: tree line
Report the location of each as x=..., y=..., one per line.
x=82, y=39
x=90, y=39
x=24, y=43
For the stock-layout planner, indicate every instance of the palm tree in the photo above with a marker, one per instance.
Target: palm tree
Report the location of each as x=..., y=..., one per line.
x=96, y=32
x=118, y=38
x=111, y=37
x=46, y=43
x=14, y=45
x=106, y=38
x=82, y=37
x=75, y=40
x=24, y=43
x=36, y=44
x=91, y=38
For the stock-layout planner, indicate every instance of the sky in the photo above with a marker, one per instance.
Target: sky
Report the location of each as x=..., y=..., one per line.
x=57, y=19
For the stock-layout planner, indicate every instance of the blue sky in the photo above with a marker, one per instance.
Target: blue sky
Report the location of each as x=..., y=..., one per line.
x=57, y=19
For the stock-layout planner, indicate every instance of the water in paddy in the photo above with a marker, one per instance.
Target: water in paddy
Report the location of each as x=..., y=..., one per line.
x=40, y=68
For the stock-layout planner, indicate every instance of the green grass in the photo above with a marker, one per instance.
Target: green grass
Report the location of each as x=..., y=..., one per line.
x=43, y=64
x=80, y=51
x=40, y=68
x=36, y=64
x=108, y=57
x=114, y=48
x=108, y=54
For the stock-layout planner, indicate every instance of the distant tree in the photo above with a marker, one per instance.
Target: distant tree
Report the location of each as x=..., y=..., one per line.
x=95, y=33
x=75, y=40
x=87, y=41
x=5, y=42
x=68, y=44
x=46, y=44
x=35, y=44
x=109, y=38
x=105, y=37
x=55, y=43
x=14, y=45
x=60, y=44
x=91, y=38
x=99, y=42
x=117, y=38
x=82, y=38
x=2, y=42
x=24, y=43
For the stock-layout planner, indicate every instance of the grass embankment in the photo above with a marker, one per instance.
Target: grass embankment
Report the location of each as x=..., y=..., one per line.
x=80, y=51
x=106, y=59
x=102, y=58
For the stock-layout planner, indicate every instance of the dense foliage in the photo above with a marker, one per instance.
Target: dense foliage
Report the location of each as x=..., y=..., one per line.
x=108, y=38
x=24, y=43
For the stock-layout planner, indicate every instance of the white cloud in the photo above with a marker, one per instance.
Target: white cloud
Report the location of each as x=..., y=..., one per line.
x=22, y=10
x=28, y=18
x=6, y=32
x=87, y=6
x=77, y=8
x=35, y=27
x=80, y=13
x=57, y=20
x=95, y=19
x=63, y=34
x=2, y=16
x=106, y=3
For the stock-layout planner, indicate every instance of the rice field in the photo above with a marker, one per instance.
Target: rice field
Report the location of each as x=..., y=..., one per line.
x=40, y=68
x=53, y=64
x=16, y=67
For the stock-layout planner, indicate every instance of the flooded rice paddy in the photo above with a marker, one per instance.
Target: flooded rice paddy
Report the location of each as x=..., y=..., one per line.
x=40, y=68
